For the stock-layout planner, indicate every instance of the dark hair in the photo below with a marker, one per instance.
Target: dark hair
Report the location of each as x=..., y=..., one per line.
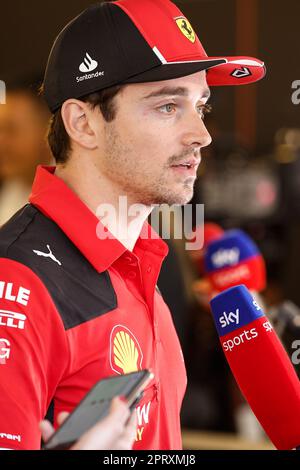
x=58, y=138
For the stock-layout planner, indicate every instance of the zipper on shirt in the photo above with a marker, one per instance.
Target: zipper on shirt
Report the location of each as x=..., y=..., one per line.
x=156, y=391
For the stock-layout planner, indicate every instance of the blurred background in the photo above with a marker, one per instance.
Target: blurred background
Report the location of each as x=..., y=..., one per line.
x=249, y=177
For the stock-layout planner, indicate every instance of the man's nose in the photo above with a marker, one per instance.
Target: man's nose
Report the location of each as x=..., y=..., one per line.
x=196, y=133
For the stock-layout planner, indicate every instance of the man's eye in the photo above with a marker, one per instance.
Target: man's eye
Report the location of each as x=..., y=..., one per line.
x=168, y=108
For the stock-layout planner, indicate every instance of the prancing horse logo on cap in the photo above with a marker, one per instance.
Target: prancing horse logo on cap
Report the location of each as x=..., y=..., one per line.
x=186, y=28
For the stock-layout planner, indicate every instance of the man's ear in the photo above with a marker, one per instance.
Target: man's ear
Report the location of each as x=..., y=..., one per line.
x=77, y=118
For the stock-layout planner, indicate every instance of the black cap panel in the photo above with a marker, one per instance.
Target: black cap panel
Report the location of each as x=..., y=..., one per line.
x=83, y=61
x=169, y=71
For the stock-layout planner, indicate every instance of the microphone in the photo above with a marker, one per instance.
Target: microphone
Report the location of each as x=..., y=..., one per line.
x=260, y=365
x=235, y=259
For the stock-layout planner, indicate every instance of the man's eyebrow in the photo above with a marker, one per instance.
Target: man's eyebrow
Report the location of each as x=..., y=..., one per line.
x=174, y=91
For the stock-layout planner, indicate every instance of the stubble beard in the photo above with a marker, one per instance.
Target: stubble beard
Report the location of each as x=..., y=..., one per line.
x=134, y=181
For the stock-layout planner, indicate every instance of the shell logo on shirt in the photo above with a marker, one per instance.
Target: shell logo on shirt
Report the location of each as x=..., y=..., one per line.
x=125, y=352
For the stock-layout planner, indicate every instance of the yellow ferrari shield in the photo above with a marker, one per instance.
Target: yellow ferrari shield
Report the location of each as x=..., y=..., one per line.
x=186, y=28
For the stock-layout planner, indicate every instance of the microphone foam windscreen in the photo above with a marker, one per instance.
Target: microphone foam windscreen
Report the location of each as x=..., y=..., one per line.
x=259, y=364
x=235, y=259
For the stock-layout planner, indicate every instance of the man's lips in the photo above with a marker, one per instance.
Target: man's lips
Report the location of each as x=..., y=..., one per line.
x=189, y=163
x=188, y=166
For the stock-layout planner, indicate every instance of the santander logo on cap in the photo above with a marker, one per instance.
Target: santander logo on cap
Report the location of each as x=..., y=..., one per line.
x=88, y=65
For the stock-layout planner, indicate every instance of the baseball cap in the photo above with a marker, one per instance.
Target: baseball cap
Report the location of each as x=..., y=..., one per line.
x=134, y=41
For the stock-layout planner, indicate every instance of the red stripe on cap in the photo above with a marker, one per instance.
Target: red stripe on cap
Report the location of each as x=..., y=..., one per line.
x=163, y=34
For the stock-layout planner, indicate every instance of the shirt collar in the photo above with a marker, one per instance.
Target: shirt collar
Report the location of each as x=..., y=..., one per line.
x=58, y=202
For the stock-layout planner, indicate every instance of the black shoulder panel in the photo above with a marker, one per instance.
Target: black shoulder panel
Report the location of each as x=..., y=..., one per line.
x=79, y=292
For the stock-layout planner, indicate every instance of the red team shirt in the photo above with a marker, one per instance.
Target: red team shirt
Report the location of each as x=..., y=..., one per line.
x=75, y=308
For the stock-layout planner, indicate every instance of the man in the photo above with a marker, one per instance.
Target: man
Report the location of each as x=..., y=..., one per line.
x=23, y=125
x=127, y=87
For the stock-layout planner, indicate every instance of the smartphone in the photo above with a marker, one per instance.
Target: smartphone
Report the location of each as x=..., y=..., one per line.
x=96, y=404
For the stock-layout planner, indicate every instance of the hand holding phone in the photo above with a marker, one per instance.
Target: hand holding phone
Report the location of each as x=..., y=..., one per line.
x=95, y=407
x=115, y=432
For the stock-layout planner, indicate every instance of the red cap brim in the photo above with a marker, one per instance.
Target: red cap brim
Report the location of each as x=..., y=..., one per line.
x=236, y=71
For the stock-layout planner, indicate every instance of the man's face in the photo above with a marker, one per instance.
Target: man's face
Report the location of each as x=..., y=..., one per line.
x=151, y=150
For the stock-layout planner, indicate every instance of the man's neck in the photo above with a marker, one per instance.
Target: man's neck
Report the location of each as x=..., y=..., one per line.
x=106, y=201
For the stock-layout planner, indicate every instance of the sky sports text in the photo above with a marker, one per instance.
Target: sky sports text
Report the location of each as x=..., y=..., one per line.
x=248, y=335
x=226, y=256
x=2, y=92
x=174, y=221
x=234, y=317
